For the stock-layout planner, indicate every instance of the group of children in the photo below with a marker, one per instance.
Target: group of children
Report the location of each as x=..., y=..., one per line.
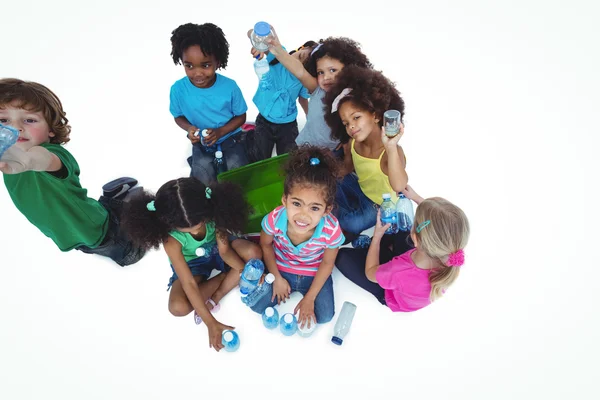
x=339, y=166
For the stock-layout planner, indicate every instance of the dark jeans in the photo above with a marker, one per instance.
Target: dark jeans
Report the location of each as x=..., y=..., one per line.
x=116, y=244
x=324, y=305
x=351, y=262
x=354, y=210
x=268, y=134
x=203, y=166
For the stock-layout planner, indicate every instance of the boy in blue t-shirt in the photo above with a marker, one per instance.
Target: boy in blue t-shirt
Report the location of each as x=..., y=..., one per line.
x=207, y=100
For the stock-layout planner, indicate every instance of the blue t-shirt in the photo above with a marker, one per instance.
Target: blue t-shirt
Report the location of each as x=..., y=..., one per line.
x=278, y=103
x=209, y=108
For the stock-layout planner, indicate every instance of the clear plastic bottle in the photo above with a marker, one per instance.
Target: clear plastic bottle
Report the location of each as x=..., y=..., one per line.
x=288, y=324
x=259, y=36
x=343, y=323
x=207, y=250
x=388, y=214
x=405, y=212
x=230, y=340
x=257, y=294
x=204, y=134
x=250, y=276
x=270, y=318
x=361, y=242
x=8, y=137
x=307, y=330
x=220, y=166
x=261, y=67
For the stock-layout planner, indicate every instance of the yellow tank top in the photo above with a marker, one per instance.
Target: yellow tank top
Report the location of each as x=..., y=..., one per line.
x=371, y=178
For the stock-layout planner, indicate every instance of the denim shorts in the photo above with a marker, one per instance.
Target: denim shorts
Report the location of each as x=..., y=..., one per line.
x=201, y=266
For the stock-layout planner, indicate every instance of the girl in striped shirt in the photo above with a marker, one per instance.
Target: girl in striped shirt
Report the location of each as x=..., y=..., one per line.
x=301, y=238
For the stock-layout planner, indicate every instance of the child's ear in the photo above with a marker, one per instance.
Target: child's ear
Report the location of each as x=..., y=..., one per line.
x=328, y=209
x=51, y=134
x=376, y=117
x=283, y=199
x=413, y=236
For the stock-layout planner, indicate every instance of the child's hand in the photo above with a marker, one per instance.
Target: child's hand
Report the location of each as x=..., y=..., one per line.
x=215, y=333
x=409, y=193
x=257, y=54
x=379, y=227
x=16, y=160
x=306, y=312
x=281, y=290
x=191, y=134
x=391, y=143
x=274, y=44
x=213, y=136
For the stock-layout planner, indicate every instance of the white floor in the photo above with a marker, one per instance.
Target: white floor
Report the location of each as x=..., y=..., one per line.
x=500, y=103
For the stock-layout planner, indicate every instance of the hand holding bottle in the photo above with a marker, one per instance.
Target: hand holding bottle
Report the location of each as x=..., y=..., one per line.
x=379, y=227
x=215, y=334
x=194, y=138
x=306, y=312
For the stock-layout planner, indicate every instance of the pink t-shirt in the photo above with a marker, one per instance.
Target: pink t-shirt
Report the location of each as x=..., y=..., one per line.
x=407, y=286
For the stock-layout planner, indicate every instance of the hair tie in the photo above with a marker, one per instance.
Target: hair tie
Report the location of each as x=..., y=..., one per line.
x=208, y=193
x=456, y=259
x=422, y=226
x=336, y=102
x=315, y=161
x=150, y=206
x=316, y=48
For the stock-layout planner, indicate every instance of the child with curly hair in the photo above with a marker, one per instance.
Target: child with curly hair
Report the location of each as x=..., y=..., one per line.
x=276, y=123
x=300, y=239
x=42, y=177
x=354, y=108
x=207, y=100
x=421, y=274
x=192, y=222
x=326, y=60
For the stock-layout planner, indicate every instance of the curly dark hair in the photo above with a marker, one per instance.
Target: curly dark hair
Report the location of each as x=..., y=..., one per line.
x=183, y=203
x=371, y=91
x=346, y=50
x=36, y=97
x=300, y=171
x=209, y=37
x=311, y=44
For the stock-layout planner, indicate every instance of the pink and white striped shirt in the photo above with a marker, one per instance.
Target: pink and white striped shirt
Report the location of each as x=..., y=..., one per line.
x=305, y=258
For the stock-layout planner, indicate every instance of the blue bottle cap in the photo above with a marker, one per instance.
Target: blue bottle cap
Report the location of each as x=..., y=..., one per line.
x=262, y=28
x=337, y=340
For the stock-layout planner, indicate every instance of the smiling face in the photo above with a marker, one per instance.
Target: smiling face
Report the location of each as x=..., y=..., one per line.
x=327, y=70
x=32, y=126
x=199, y=68
x=358, y=123
x=305, y=207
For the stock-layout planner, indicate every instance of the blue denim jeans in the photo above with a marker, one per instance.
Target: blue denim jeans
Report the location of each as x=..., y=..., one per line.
x=201, y=266
x=354, y=210
x=202, y=163
x=324, y=305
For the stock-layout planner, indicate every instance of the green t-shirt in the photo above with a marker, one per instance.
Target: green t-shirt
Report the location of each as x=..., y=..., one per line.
x=189, y=244
x=59, y=207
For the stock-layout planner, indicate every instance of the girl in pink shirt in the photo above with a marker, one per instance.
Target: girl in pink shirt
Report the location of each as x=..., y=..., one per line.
x=417, y=277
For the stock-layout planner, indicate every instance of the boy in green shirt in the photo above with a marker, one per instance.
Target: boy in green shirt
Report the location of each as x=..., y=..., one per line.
x=42, y=177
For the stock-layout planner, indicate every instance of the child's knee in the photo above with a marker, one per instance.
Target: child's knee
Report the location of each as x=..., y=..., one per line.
x=254, y=252
x=180, y=308
x=325, y=316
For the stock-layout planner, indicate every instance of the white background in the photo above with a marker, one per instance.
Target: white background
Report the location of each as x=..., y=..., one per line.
x=500, y=98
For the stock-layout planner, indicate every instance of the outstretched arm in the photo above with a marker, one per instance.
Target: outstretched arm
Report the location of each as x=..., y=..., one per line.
x=16, y=160
x=396, y=161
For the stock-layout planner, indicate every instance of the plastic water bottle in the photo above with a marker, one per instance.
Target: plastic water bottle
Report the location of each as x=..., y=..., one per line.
x=258, y=293
x=219, y=162
x=388, y=214
x=406, y=215
x=259, y=36
x=342, y=325
x=270, y=318
x=8, y=137
x=250, y=276
x=307, y=331
x=261, y=67
x=361, y=242
x=288, y=324
x=230, y=340
x=210, y=149
x=207, y=251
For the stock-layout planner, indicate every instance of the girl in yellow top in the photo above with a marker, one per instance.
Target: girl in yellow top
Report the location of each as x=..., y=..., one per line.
x=354, y=109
